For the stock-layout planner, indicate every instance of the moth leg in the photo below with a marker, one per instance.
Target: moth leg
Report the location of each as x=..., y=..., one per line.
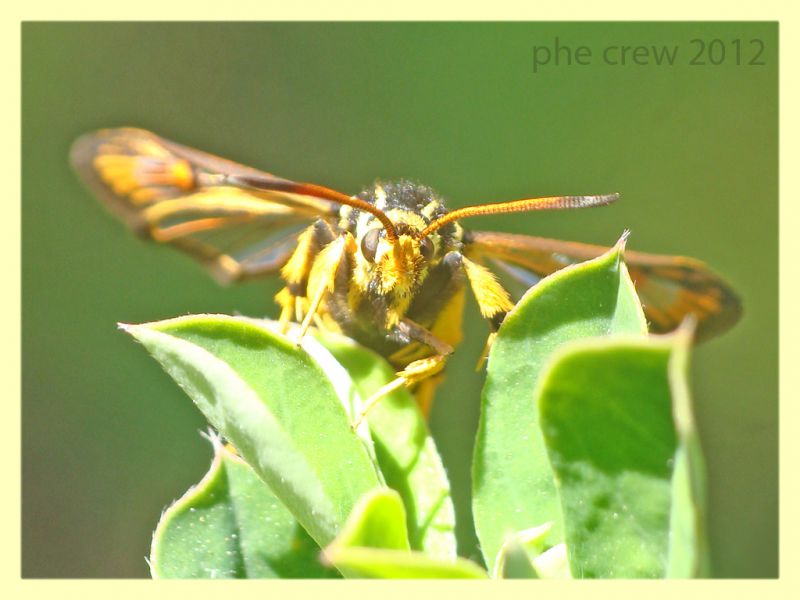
x=322, y=277
x=312, y=310
x=420, y=370
x=493, y=300
x=485, y=352
x=297, y=272
x=287, y=301
x=300, y=308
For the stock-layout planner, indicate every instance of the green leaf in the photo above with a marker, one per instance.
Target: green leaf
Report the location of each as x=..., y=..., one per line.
x=378, y=521
x=277, y=406
x=553, y=563
x=405, y=450
x=606, y=413
x=689, y=554
x=397, y=564
x=525, y=555
x=230, y=525
x=513, y=487
x=514, y=563
x=374, y=544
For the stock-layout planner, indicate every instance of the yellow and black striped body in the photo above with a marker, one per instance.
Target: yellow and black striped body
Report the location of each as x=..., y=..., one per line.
x=367, y=312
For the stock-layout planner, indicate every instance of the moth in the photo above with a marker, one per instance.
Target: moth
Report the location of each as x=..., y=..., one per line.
x=388, y=267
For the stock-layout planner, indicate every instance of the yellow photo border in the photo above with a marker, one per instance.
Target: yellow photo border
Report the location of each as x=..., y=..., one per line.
x=789, y=37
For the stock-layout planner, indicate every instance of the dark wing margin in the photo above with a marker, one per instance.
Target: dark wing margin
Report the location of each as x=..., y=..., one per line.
x=180, y=196
x=670, y=287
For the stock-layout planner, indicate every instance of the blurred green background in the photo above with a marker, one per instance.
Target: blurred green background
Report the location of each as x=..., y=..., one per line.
x=109, y=440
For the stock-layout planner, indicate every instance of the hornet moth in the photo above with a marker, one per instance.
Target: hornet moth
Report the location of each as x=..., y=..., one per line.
x=388, y=267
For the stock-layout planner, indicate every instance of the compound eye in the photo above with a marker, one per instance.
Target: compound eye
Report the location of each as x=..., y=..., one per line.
x=426, y=248
x=369, y=244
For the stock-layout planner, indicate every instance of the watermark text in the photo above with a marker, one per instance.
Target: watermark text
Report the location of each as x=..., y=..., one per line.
x=695, y=52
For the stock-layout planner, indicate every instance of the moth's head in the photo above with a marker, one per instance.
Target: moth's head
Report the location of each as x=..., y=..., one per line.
x=398, y=264
x=394, y=254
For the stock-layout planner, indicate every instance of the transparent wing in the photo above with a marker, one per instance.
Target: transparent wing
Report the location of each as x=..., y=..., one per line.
x=670, y=287
x=179, y=196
